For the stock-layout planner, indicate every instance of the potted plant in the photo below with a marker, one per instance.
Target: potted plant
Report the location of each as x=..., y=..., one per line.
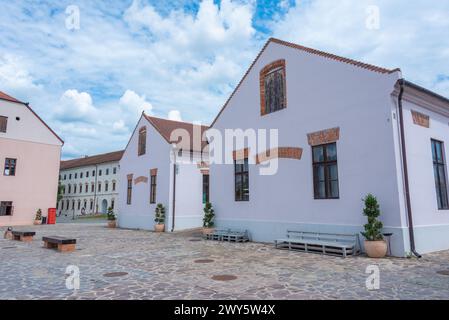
x=111, y=218
x=375, y=245
x=159, y=218
x=208, y=220
x=38, y=218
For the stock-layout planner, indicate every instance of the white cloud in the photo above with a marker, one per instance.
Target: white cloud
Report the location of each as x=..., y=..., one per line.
x=75, y=105
x=174, y=115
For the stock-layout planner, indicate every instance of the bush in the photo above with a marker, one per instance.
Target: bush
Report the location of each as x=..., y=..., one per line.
x=209, y=215
x=38, y=215
x=111, y=214
x=160, y=214
x=373, y=227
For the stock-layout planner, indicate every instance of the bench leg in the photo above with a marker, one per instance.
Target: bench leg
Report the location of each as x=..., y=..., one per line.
x=66, y=247
x=26, y=239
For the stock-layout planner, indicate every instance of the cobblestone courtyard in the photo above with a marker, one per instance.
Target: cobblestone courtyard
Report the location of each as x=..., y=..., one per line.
x=166, y=266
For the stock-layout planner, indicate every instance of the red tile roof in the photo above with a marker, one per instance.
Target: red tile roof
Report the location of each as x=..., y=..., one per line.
x=92, y=160
x=4, y=96
x=166, y=127
x=311, y=51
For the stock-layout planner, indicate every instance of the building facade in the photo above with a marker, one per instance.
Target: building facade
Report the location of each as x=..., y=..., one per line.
x=89, y=184
x=157, y=167
x=345, y=129
x=29, y=157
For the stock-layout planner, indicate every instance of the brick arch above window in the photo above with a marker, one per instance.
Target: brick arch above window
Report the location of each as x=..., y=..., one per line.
x=279, y=153
x=273, y=87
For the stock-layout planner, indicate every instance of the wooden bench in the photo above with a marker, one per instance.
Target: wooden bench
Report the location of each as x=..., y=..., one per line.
x=324, y=243
x=25, y=236
x=228, y=235
x=60, y=243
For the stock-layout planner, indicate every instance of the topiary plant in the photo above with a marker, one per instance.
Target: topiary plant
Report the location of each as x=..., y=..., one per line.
x=111, y=214
x=374, y=226
x=38, y=215
x=209, y=215
x=160, y=214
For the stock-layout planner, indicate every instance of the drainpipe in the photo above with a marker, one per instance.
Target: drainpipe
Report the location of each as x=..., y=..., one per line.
x=174, y=191
x=404, y=164
x=95, y=190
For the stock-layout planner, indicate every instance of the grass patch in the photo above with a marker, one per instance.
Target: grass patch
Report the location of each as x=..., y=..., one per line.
x=97, y=216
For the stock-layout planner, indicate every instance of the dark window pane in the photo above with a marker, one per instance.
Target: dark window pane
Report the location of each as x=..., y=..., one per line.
x=318, y=154
x=331, y=152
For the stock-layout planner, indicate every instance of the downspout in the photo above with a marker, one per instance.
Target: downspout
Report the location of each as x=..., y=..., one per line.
x=174, y=192
x=95, y=190
x=404, y=164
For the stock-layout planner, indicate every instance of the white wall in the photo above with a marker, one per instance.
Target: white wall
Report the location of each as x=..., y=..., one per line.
x=140, y=214
x=321, y=94
x=430, y=224
x=28, y=128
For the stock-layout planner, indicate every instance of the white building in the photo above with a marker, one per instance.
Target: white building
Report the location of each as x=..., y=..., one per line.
x=345, y=129
x=148, y=175
x=30, y=152
x=90, y=184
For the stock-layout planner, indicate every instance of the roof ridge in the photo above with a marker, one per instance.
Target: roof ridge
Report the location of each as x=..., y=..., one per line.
x=332, y=56
x=184, y=122
x=95, y=155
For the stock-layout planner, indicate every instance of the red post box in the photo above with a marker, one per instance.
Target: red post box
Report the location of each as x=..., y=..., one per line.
x=51, y=217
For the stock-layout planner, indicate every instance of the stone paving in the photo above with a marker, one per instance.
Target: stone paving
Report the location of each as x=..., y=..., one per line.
x=162, y=266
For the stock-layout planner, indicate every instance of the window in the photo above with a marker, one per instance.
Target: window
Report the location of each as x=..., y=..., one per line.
x=241, y=173
x=273, y=87
x=70, y=188
x=85, y=204
x=91, y=204
x=6, y=208
x=153, y=188
x=107, y=172
x=76, y=175
x=73, y=204
x=92, y=187
x=112, y=203
x=79, y=204
x=65, y=177
x=114, y=171
x=74, y=188
x=86, y=189
x=70, y=176
x=106, y=186
x=439, y=170
x=100, y=172
x=99, y=187
x=59, y=177
x=10, y=167
x=93, y=173
x=142, y=141
x=87, y=174
x=67, y=205
x=3, y=123
x=205, y=188
x=81, y=188
x=129, y=191
x=113, y=186
x=81, y=175
x=325, y=171
x=63, y=189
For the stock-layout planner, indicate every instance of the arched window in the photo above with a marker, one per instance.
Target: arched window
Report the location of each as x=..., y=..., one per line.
x=113, y=185
x=142, y=141
x=73, y=204
x=273, y=95
x=92, y=187
x=70, y=189
x=106, y=186
x=86, y=188
x=99, y=186
x=67, y=205
x=79, y=204
x=81, y=188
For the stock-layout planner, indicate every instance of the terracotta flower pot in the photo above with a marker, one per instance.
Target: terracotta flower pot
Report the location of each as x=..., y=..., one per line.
x=8, y=235
x=208, y=230
x=376, y=249
x=159, y=227
x=37, y=222
x=112, y=224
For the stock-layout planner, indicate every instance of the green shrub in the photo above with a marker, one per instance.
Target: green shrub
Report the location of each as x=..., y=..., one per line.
x=374, y=226
x=160, y=214
x=209, y=215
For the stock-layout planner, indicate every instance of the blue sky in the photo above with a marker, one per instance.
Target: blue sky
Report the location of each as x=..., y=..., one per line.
x=182, y=59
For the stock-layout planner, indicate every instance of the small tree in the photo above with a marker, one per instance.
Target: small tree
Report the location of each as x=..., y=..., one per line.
x=374, y=226
x=38, y=215
x=209, y=215
x=160, y=214
x=111, y=214
x=60, y=192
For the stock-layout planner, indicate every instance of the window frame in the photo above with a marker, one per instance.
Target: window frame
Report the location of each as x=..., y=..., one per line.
x=269, y=70
x=153, y=188
x=142, y=142
x=3, y=204
x=129, y=191
x=327, y=180
x=206, y=188
x=3, y=128
x=8, y=163
x=242, y=174
x=437, y=178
